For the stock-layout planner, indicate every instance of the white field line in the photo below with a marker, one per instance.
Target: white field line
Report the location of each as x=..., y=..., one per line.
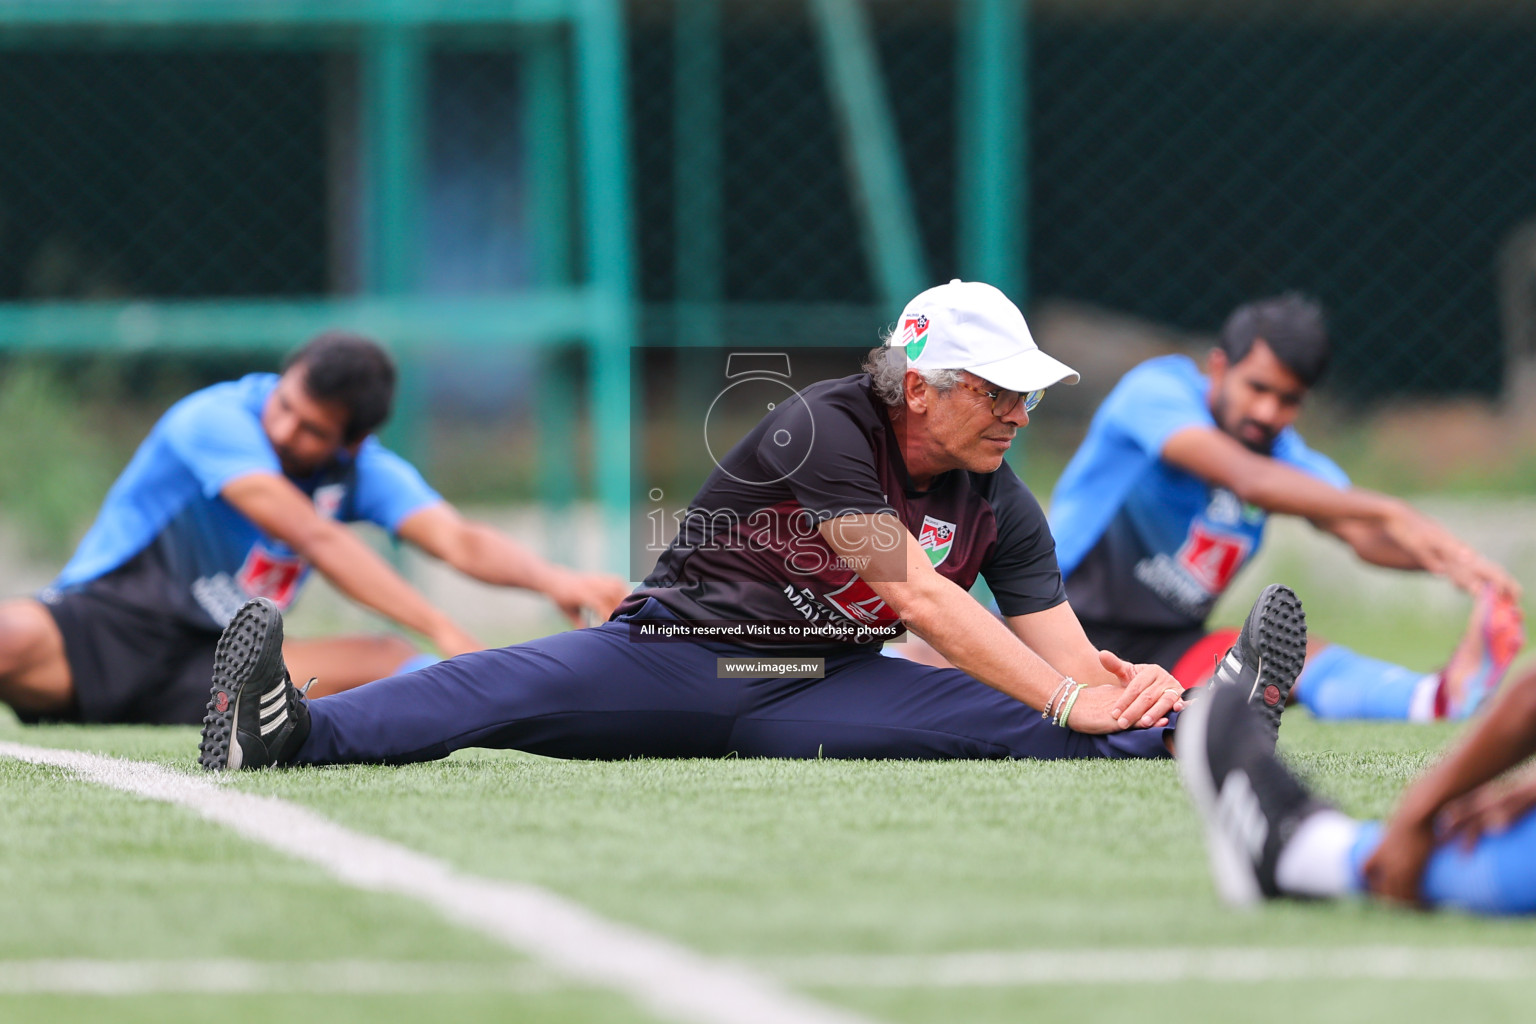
x=666, y=978
x=988, y=969
x=232, y=976
x=1153, y=965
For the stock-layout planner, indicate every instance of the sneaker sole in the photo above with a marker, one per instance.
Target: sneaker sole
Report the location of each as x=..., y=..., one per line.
x=1503, y=638
x=1230, y=867
x=236, y=660
x=1282, y=645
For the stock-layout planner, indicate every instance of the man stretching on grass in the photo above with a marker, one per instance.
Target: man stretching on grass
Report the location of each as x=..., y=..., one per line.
x=1167, y=498
x=859, y=507
x=237, y=491
x=1463, y=835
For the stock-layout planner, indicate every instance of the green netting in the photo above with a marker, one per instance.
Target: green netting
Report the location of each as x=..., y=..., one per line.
x=1181, y=157
x=1183, y=164
x=172, y=174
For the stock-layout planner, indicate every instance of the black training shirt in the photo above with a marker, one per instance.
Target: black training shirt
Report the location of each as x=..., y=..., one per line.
x=749, y=550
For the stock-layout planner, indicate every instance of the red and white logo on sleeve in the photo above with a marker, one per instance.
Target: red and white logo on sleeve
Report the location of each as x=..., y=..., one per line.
x=858, y=600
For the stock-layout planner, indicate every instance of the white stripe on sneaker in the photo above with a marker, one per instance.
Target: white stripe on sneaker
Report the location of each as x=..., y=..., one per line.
x=1238, y=811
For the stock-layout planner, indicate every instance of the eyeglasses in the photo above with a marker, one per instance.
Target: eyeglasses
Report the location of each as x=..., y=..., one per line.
x=1004, y=401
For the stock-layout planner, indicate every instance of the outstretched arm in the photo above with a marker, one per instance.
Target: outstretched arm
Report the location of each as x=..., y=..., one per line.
x=281, y=511
x=1503, y=736
x=490, y=556
x=1413, y=540
x=1370, y=542
x=1382, y=529
x=975, y=642
x=1267, y=482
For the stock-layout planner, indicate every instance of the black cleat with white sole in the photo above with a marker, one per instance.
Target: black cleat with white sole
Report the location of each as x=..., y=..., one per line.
x=1268, y=655
x=256, y=716
x=1250, y=802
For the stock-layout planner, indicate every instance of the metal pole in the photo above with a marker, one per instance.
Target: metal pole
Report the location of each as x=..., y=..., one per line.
x=993, y=174
x=602, y=92
x=698, y=195
x=393, y=83
x=546, y=144
x=882, y=197
x=696, y=183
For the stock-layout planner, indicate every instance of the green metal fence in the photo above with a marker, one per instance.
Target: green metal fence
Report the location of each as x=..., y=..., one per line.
x=1379, y=155
x=1172, y=158
x=472, y=177
x=195, y=174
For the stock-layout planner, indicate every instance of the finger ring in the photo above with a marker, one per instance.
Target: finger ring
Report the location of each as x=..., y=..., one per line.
x=1177, y=693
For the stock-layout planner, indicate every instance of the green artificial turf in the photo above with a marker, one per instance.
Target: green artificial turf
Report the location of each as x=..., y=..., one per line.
x=746, y=859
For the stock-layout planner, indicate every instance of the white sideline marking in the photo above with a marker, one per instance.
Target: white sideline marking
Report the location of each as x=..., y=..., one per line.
x=666, y=978
x=232, y=976
x=1152, y=965
x=989, y=969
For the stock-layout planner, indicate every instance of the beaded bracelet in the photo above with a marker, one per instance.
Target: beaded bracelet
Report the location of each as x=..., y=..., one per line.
x=1055, y=699
x=1066, y=709
x=1066, y=681
x=1062, y=704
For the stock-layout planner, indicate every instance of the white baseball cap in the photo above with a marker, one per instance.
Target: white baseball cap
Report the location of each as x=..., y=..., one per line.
x=968, y=325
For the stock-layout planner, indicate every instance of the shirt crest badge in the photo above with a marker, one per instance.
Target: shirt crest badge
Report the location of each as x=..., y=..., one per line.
x=936, y=538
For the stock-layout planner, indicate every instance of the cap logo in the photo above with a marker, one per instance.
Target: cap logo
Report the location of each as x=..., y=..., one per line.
x=914, y=335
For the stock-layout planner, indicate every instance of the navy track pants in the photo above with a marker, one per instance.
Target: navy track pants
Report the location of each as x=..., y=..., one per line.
x=595, y=693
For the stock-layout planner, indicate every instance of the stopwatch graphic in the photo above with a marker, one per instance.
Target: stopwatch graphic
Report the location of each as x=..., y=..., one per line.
x=759, y=386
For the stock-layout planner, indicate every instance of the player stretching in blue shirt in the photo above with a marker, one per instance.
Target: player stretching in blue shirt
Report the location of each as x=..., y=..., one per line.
x=1168, y=496
x=1463, y=835
x=237, y=491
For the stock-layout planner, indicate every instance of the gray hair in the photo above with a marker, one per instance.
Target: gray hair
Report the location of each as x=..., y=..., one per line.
x=887, y=368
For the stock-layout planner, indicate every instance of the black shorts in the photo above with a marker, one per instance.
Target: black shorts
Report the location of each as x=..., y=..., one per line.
x=130, y=666
x=1144, y=646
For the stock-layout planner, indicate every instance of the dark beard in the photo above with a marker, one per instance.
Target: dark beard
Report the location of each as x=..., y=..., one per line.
x=1219, y=413
x=1264, y=447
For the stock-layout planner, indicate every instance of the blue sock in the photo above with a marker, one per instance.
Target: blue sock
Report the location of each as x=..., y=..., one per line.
x=1496, y=876
x=1339, y=683
x=415, y=662
x=1365, y=845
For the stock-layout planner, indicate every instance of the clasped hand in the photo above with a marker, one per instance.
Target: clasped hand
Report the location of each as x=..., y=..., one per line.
x=1143, y=699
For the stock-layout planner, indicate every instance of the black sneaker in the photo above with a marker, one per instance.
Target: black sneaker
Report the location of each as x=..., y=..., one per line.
x=1251, y=804
x=256, y=716
x=1268, y=655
